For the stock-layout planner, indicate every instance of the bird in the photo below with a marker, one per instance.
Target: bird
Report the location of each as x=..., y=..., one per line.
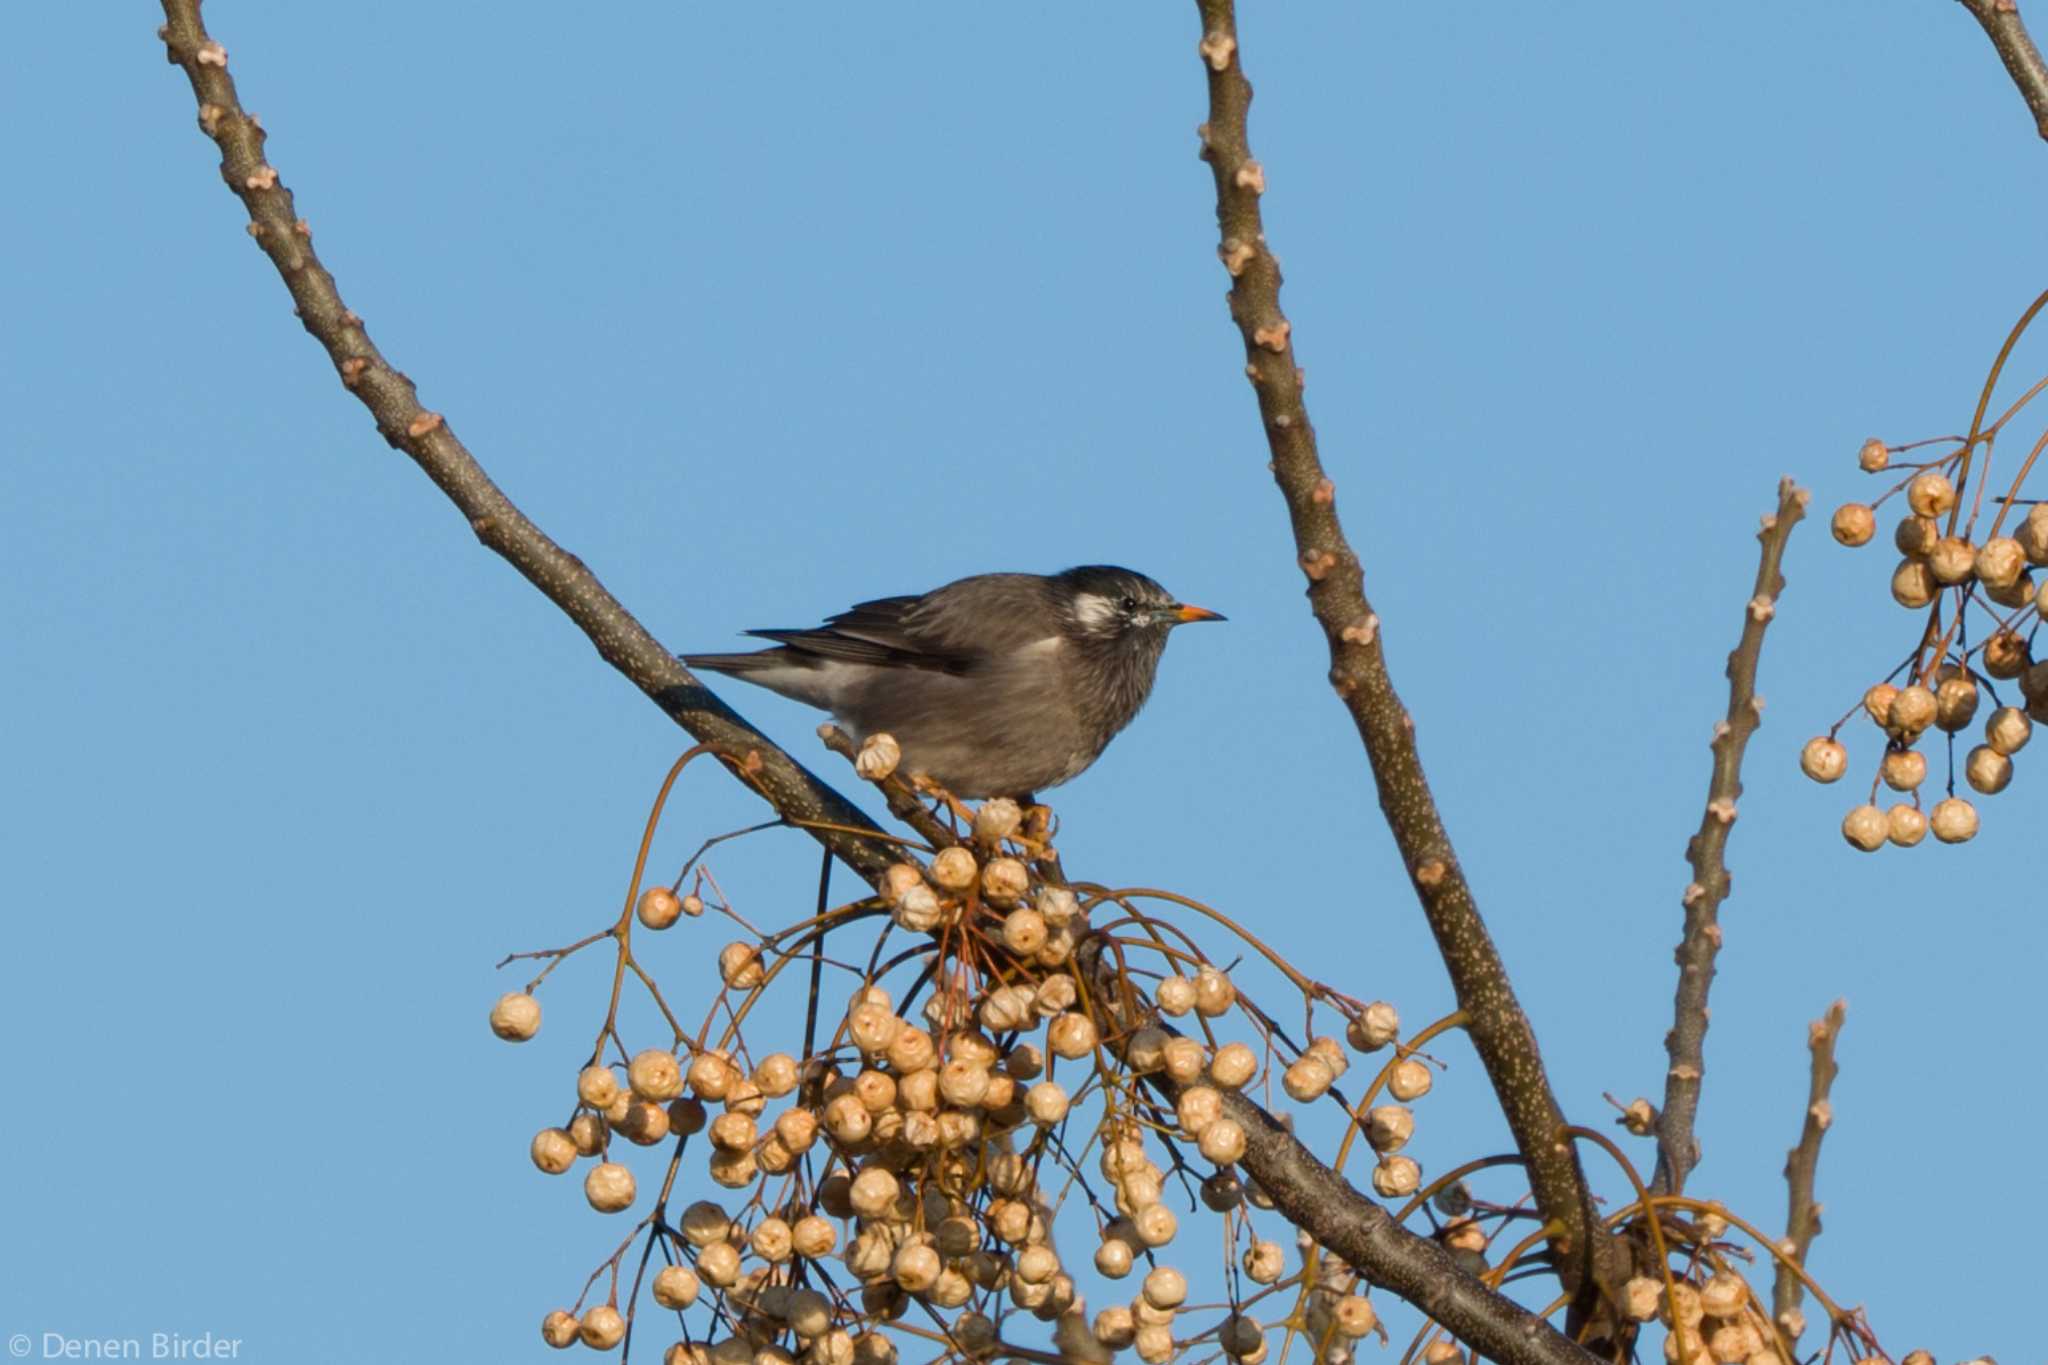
x=999, y=684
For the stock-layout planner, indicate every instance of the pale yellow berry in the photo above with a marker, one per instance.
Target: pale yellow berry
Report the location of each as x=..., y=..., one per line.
x=1183, y=1059
x=879, y=754
x=1004, y=881
x=1234, y=1066
x=1872, y=456
x=516, y=1017
x=1723, y=1296
x=1165, y=1287
x=1823, y=759
x=588, y=1132
x=719, y=1264
x=1197, y=1107
x=734, y=1170
x=1442, y=1353
x=1915, y=536
x=1877, y=704
x=1396, y=1177
x=772, y=1240
x=739, y=966
x=916, y=1267
x=1389, y=1126
x=1154, y=1344
x=1953, y=821
x=1307, y=1078
x=1955, y=703
x=710, y=1075
x=1640, y=1118
x=1072, y=1036
x=1264, y=1262
x=1223, y=1141
x=918, y=910
x=675, y=1287
x=1408, y=1080
x=1853, y=524
x=2006, y=654
x=659, y=907
x=1037, y=1264
x=1904, y=769
x=872, y=1025
x=1905, y=825
x=597, y=1086
x=1115, y=1328
x=1930, y=494
x=874, y=1190
x=2018, y=593
x=1332, y=1052
x=1642, y=1298
x=963, y=1082
x=1952, y=560
x=602, y=1328
x=2000, y=562
x=1912, y=710
x=1024, y=931
x=1354, y=1316
x=1113, y=1258
x=1214, y=993
x=813, y=1236
x=1912, y=584
x=559, y=1328
x=776, y=1074
x=997, y=820
x=1866, y=827
x=954, y=869
x=1055, y=995
x=1375, y=1026
x=553, y=1151
x=654, y=1075
x=644, y=1122
x=2008, y=730
x=733, y=1132
x=1176, y=996
x=1155, y=1225
x=2032, y=534
x=1987, y=770
x=608, y=1187
x=912, y=1050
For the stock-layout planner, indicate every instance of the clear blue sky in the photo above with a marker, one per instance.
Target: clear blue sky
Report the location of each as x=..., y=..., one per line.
x=761, y=311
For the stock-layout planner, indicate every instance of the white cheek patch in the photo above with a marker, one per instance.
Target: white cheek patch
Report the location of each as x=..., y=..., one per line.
x=1093, y=613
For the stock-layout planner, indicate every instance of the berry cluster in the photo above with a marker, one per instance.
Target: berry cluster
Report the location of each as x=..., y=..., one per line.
x=899, y=1178
x=1956, y=580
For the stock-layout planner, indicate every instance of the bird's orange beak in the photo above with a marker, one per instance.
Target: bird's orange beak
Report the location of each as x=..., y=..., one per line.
x=1186, y=614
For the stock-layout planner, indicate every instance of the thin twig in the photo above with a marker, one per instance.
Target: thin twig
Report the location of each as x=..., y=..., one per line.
x=1677, y=1147
x=2001, y=22
x=1500, y=1032
x=424, y=435
x=1802, y=1217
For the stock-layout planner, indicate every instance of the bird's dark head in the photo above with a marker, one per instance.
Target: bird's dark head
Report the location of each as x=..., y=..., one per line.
x=1101, y=603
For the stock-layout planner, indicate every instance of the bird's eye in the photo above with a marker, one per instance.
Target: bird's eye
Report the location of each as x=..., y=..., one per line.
x=1129, y=603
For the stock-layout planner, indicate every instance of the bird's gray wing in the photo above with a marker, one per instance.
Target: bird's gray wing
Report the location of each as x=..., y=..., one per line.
x=882, y=632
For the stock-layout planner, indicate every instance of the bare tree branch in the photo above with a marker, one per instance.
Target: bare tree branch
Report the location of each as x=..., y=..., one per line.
x=1802, y=1218
x=1321, y=1202
x=2001, y=22
x=1677, y=1148
x=1499, y=1030
x=795, y=793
